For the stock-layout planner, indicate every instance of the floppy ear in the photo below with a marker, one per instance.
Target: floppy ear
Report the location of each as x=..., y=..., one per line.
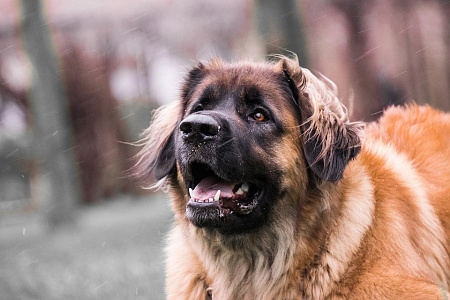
x=158, y=153
x=330, y=141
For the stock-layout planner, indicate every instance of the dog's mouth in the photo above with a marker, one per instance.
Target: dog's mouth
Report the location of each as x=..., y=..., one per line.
x=209, y=190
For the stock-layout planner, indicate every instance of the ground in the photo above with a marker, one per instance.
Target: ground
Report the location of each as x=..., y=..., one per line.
x=115, y=252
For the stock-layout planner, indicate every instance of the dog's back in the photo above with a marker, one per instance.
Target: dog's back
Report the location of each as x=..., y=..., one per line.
x=423, y=135
x=407, y=157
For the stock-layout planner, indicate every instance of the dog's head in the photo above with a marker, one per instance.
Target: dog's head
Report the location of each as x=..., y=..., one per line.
x=245, y=135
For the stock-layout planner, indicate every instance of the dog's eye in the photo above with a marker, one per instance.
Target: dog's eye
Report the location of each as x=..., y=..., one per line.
x=259, y=116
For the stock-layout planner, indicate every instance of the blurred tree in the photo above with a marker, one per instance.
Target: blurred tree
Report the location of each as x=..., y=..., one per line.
x=97, y=124
x=279, y=24
x=48, y=104
x=386, y=52
x=427, y=50
x=363, y=72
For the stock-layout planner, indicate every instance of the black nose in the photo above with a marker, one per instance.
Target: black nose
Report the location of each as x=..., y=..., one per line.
x=199, y=128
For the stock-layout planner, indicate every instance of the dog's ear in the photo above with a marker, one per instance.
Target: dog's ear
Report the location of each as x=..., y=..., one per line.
x=330, y=141
x=195, y=76
x=158, y=153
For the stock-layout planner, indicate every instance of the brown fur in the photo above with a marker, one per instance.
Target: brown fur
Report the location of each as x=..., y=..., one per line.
x=373, y=225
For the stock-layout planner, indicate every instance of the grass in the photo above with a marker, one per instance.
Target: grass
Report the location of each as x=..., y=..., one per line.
x=114, y=253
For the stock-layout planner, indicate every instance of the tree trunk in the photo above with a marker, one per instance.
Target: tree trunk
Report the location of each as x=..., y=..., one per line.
x=48, y=104
x=280, y=25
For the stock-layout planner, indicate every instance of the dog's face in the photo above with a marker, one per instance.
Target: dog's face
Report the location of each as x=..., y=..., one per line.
x=227, y=144
x=241, y=138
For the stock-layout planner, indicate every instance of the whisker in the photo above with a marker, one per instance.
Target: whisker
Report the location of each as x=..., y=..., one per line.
x=230, y=140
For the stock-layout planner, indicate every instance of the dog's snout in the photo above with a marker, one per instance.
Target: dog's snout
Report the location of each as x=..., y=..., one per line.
x=198, y=128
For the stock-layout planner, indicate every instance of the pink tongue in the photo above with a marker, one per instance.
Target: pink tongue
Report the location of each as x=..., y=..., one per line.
x=207, y=188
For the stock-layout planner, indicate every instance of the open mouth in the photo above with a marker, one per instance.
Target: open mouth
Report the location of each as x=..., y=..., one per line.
x=208, y=190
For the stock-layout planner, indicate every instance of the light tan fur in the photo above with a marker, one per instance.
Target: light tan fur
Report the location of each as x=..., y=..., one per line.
x=382, y=231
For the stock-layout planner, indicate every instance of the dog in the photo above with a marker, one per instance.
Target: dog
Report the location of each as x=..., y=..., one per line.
x=277, y=195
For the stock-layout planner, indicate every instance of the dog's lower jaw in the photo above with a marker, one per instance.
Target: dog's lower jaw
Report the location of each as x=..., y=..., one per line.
x=226, y=218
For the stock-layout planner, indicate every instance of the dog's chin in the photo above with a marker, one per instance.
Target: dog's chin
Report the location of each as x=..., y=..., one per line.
x=222, y=203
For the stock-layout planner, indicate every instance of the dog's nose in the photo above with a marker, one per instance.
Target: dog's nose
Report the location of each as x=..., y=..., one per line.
x=199, y=128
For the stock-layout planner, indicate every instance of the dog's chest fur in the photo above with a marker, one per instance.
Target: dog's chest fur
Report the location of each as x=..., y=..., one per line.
x=254, y=269
x=247, y=270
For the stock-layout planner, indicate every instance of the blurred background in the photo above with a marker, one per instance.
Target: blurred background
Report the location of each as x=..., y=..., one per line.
x=78, y=82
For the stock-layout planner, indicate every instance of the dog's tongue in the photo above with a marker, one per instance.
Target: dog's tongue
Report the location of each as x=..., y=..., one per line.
x=207, y=188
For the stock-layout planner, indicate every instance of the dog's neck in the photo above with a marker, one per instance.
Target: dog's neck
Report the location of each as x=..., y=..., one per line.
x=244, y=266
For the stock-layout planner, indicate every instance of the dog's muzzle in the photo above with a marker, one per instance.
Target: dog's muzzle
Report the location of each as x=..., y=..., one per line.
x=221, y=192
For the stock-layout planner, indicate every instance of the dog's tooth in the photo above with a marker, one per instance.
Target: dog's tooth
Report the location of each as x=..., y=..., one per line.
x=217, y=196
x=239, y=191
x=190, y=192
x=244, y=187
x=211, y=200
